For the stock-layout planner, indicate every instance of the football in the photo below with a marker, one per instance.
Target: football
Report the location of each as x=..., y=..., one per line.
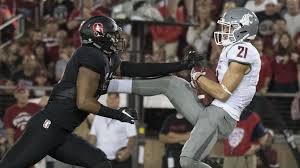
x=205, y=98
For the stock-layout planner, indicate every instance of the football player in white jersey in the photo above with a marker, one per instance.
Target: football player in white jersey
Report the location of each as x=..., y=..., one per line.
x=237, y=72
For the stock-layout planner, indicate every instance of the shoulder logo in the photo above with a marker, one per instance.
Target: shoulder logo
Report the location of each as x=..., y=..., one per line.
x=98, y=29
x=47, y=124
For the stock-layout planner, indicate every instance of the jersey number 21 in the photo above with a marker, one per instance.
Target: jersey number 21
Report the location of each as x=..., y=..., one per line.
x=243, y=52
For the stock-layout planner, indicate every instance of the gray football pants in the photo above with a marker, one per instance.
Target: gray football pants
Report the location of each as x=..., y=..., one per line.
x=209, y=122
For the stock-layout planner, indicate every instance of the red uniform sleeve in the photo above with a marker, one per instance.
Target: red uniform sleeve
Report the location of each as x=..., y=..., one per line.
x=7, y=119
x=168, y=33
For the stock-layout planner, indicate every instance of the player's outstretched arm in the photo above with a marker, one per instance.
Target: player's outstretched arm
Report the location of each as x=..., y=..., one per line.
x=131, y=69
x=87, y=85
x=232, y=78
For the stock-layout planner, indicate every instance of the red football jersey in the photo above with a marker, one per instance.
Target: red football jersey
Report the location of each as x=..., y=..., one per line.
x=239, y=141
x=17, y=118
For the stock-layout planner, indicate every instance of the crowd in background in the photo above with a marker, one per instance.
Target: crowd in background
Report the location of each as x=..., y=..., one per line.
x=40, y=56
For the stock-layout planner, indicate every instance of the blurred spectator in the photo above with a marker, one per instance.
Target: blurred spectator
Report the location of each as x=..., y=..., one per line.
x=279, y=28
x=4, y=146
x=292, y=17
x=41, y=79
x=76, y=17
x=26, y=74
x=62, y=38
x=172, y=6
x=227, y=6
x=51, y=41
x=59, y=10
x=266, y=20
x=166, y=37
x=245, y=140
x=214, y=53
x=216, y=7
x=61, y=63
x=116, y=139
x=104, y=6
x=4, y=68
x=200, y=36
x=284, y=66
x=158, y=56
x=17, y=115
x=40, y=54
x=265, y=73
x=6, y=34
x=9, y=60
x=24, y=47
x=256, y=5
x=36, y=37
x=297, y=42
x=174, y=133
x=268, y=156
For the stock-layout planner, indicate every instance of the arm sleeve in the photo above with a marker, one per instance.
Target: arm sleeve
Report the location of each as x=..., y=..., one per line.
x=242, y=53
x=131, y=69
x=92, y=59
x=130, y=130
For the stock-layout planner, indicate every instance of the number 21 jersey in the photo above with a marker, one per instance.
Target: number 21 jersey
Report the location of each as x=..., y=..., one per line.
x=243, y=53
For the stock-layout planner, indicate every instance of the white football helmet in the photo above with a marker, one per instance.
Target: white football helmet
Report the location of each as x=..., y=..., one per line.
x=237, y=25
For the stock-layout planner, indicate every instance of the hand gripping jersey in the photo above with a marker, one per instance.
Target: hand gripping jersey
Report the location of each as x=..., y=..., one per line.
x=244, y=53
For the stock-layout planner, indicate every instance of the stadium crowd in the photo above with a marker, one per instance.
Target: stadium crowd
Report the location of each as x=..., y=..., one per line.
x=40, y=56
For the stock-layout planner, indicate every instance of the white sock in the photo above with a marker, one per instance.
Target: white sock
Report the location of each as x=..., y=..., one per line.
x=120, y=86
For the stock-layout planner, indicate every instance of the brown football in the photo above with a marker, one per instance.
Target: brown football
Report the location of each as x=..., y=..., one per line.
x=205, y=98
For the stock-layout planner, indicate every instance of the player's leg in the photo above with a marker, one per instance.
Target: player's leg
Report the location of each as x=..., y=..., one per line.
x=33, y=145
x=211, y=123
x=76, y=151
x=179, y=92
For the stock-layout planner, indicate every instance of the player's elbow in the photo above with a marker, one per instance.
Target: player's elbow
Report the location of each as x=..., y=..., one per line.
x=81, y=103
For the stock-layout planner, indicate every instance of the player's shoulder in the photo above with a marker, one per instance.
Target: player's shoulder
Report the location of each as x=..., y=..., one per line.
x=89, y=51
x=242, y=51
x=242, y=45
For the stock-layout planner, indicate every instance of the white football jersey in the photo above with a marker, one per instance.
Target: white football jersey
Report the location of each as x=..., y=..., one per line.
x=244, y=53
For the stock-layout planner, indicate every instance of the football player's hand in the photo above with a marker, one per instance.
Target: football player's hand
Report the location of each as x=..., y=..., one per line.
x=196, y=72
x=129, y=115
x=193, y=59
x=123, y=155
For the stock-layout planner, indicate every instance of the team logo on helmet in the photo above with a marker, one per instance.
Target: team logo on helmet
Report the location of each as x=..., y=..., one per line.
x=98, y=29
x=246, y=19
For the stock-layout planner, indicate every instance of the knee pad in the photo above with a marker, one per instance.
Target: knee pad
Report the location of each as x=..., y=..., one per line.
x=103, y=164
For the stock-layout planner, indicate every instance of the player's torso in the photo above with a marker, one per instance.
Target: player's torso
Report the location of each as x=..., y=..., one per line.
x=245, y=91
x=68, y=81
x=62, y=102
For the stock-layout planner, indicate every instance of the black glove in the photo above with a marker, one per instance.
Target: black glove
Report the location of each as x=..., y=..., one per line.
x=193, y=59
x=128, y=115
